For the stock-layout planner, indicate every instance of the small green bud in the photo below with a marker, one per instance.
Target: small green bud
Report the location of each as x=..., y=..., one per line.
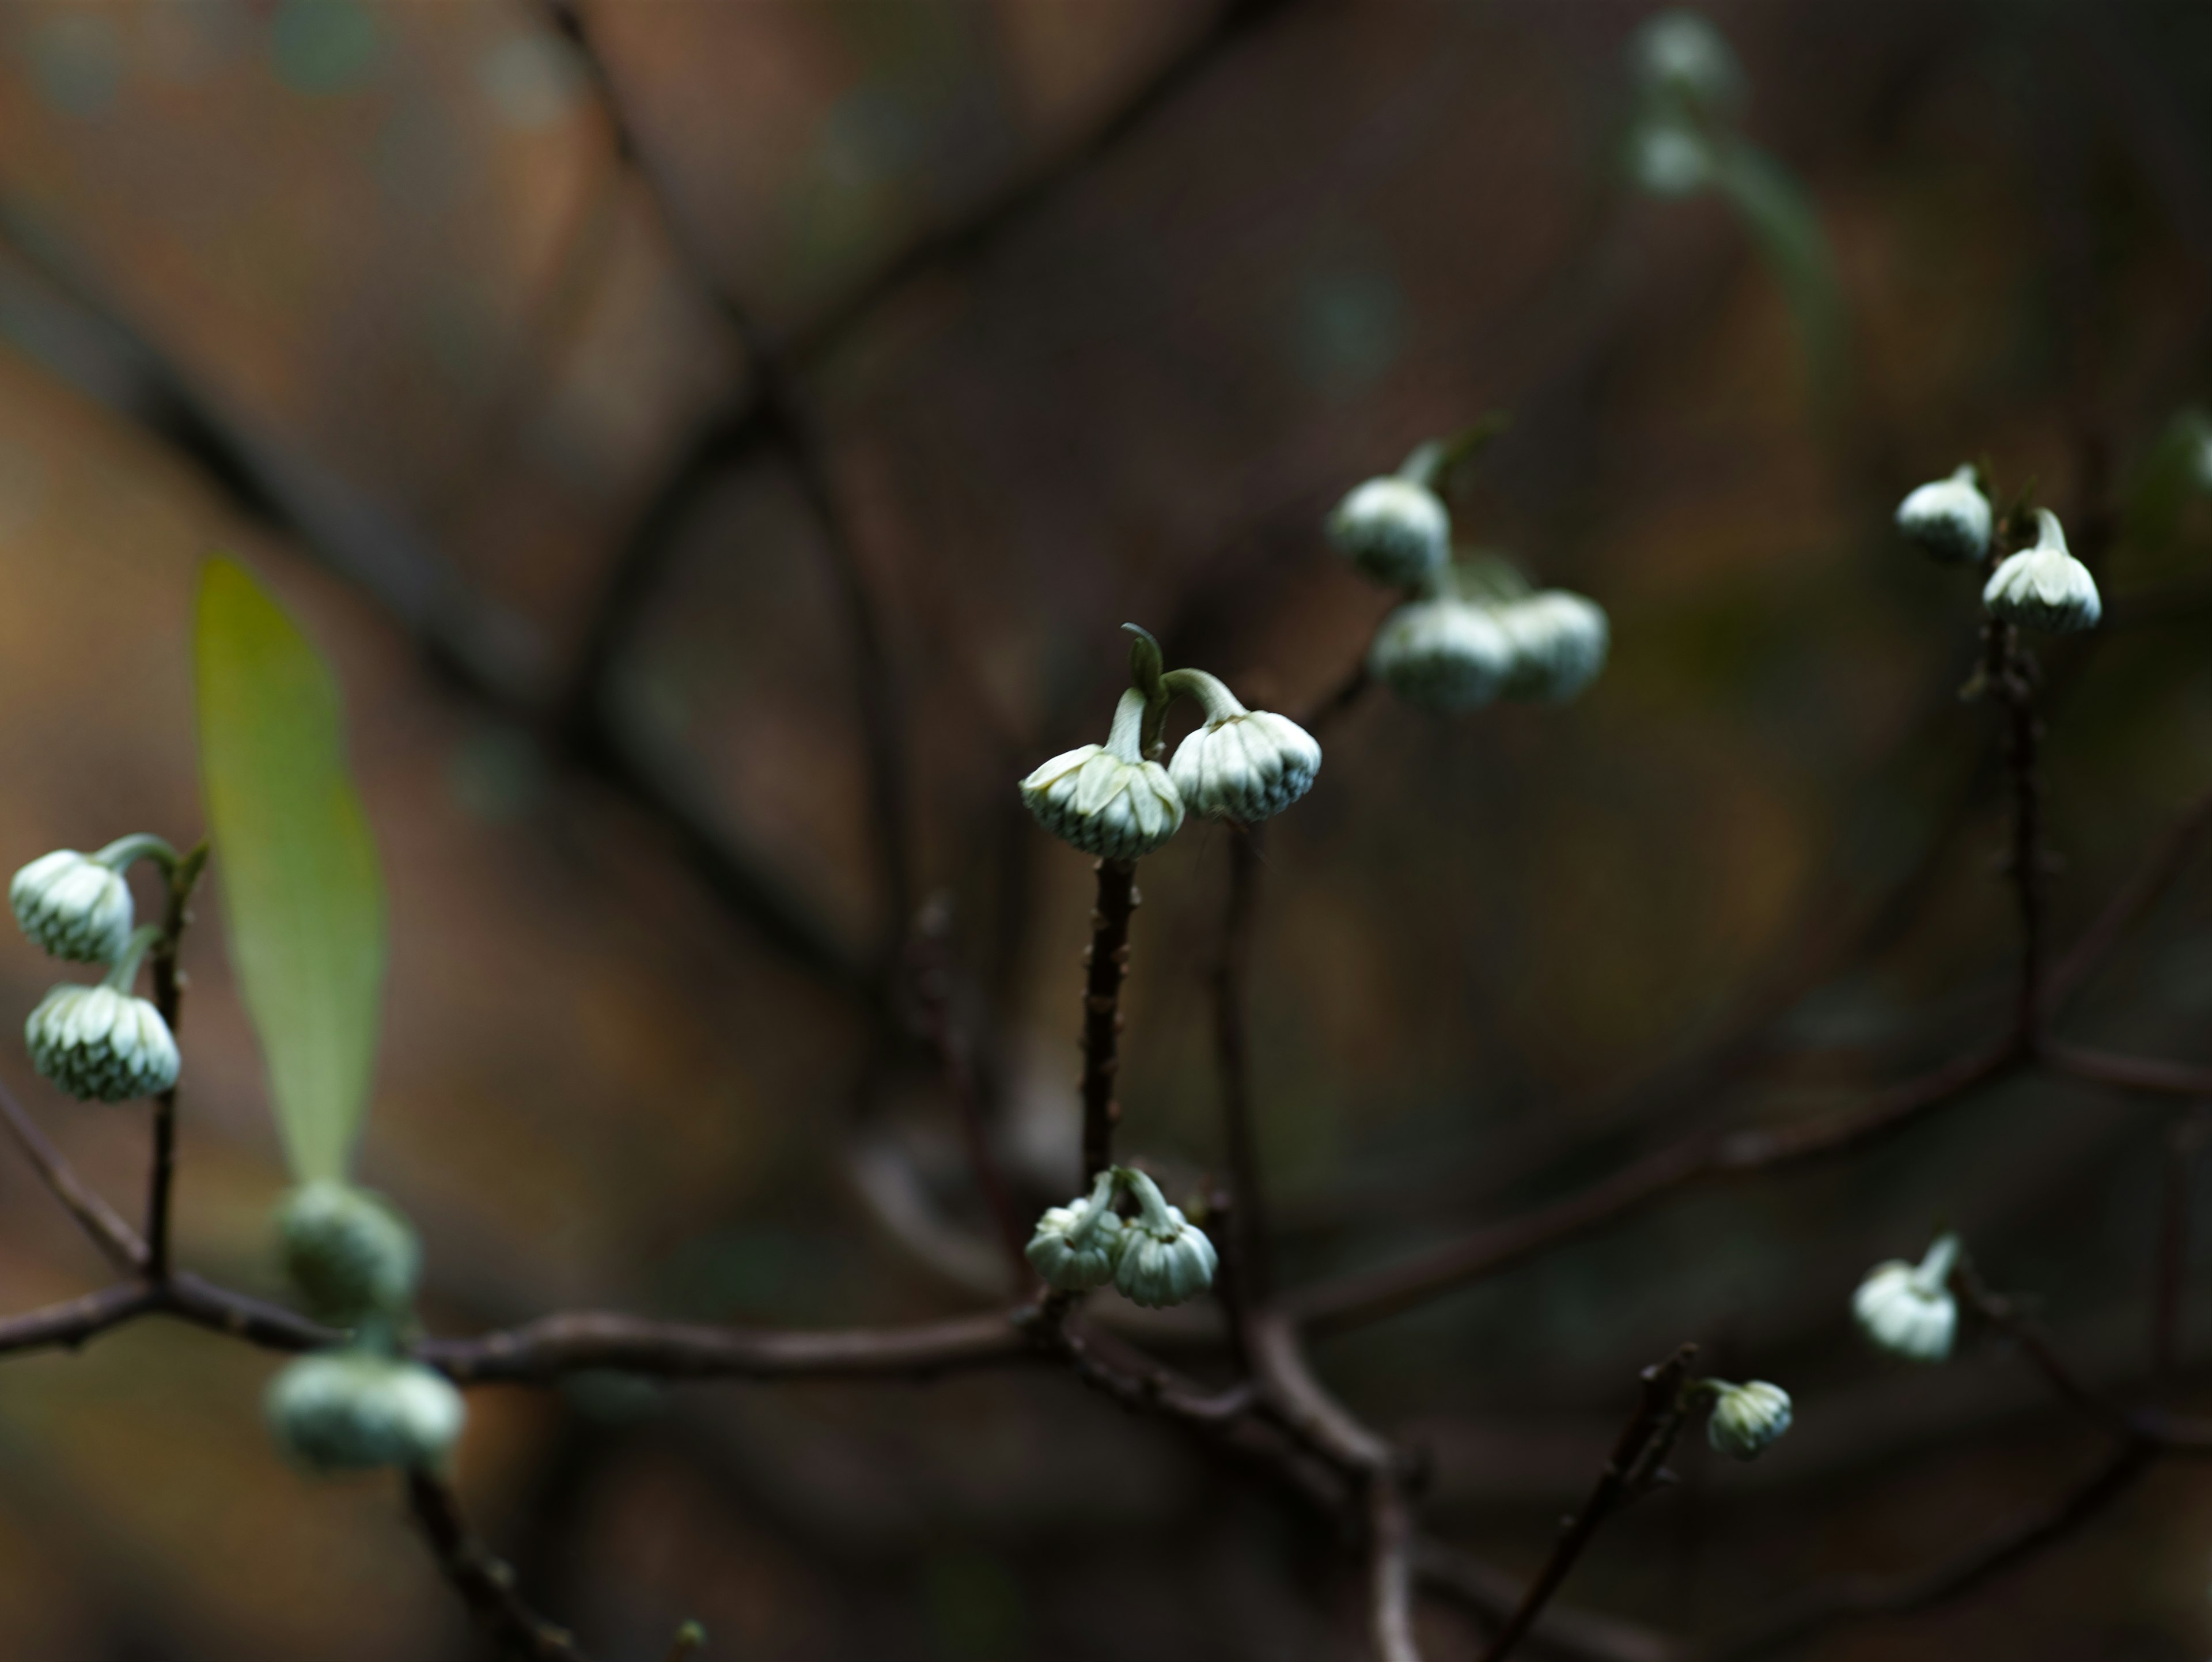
x=351, y=1256
x=2045, y=586
x=1165, y=1258
x=356, y=1410
x=1747, y=1418
x=100, y=1043
x=73, y=905
x=1107, y=799
x=1075, y=1245
x=1442, y=654
x=1907, y=1309
x=1394, y=530
x=1950, y=518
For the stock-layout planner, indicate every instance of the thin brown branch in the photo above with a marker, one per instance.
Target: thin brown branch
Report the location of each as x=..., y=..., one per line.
x=1106, y=964
x=485, y=1585
x=168, y=999
x=1491, y=1595
x=1638, y=1455
x=1865, y=1598
x=2006, y=1315
x=1304, y=1406
x=121, y=1244
x=1390, y=1570
x=554, y=1345
x=70, y=1324
x=2147, y=1074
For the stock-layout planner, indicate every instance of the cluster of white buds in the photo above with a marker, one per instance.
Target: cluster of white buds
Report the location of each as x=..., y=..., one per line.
x=101, y=1043
x=1950, y=518
x=353, y=1257
x=1115, y=801
x=1746, y=1419
x=2045, y=586
x=360, y=1409
x=1158, y=1257
x=1908, y=1309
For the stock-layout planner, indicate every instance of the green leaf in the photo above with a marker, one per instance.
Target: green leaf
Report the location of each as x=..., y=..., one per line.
x=302, y=892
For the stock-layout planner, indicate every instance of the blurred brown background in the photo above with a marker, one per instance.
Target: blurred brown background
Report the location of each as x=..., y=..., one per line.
x=364, y=292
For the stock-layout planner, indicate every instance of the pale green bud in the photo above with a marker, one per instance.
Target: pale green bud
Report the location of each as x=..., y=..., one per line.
x=1678, y=56
x=1668, y=158
x=1950, y=518
x=351, y=1256
x=2045, y=586
x=1075, y=1245
x=1242, y=764
x=1164, y=1257
x=1747, y=1418
x=1395, y=530
x=1558, y=642
x=1107, y=799
x=1442, y=654
x=73, y=905
x=1908, y=1309
x=100, y=1044
x=356, y=1411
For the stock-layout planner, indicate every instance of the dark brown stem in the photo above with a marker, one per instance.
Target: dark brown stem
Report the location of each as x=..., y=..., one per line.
x=117, y=1239
x=1390, y=1570
x=2147, y=1074
x=169, y=987
x=1248, y=1219
x=1637, y=1454
x=1106, y=965
x=486, y=1585
x=2005, y=676
x=2008, y=1318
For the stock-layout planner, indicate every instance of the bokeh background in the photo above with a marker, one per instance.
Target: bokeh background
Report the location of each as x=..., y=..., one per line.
x=367, y=293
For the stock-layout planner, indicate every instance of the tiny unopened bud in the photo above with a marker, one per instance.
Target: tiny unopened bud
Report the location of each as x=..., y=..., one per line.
x=1907, y=1308
x=352, y=1256
x=356, y=1411
x=1395, y=530
x=1164, y=1257
x=1678, y=55
x=100, y=1043
x=73, y=905
x=1558, y=642
x=1107, y=799
x=1075, y=1245
x=1242, y=764
x=1747, y=1418
x=1950, y=518
x=1668, y=158
x=2045, y=586
x=1442, y=654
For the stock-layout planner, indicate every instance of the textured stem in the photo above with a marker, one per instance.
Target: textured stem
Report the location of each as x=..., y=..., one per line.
x=486, y=1586
x=1248, y=1231
x=168, y=999
x=1106, y=965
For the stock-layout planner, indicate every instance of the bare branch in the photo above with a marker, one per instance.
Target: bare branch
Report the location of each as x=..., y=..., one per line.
x=486, y=1586
x=1491, y=1595
x=71, y=1324
x=1251, y=1271
x=1390, y=1570
x=1106, y=964
x=117, y=1241
x=2147, y=1074
x=178, y=882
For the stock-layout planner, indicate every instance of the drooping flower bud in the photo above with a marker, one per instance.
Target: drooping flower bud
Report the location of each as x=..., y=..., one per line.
x=1395, y=530
x=356, y=1411
x=1558, y=642
x=1107, y=799
x=1950, y=518
x=100, y=1044
x=352, y=1256
x=1668, y=157
x=1164, y=1257
x=1747, y=1418
x=1442, y=654
x=2045, y=586
x=1907, y=1308
x=73, y=905
x=1075, y=1244
x=1679, y=56
x=1242, y=764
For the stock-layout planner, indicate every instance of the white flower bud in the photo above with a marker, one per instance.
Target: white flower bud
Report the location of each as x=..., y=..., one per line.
x=1559, y=640
x=100, y=1044
x=356, y=1410
x=1908, y=1309
x=1669, y=159
x=2045, y=586
x=351, y=1255
x=1680, y=54
x=1441, y=654
x=1242, y=764
x=1164, y=1257
x=73, y=905
x=1394, y=530
x=1950, y=518
x=1106, y=799
x=1075, y=1244
x=1747, y=1418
